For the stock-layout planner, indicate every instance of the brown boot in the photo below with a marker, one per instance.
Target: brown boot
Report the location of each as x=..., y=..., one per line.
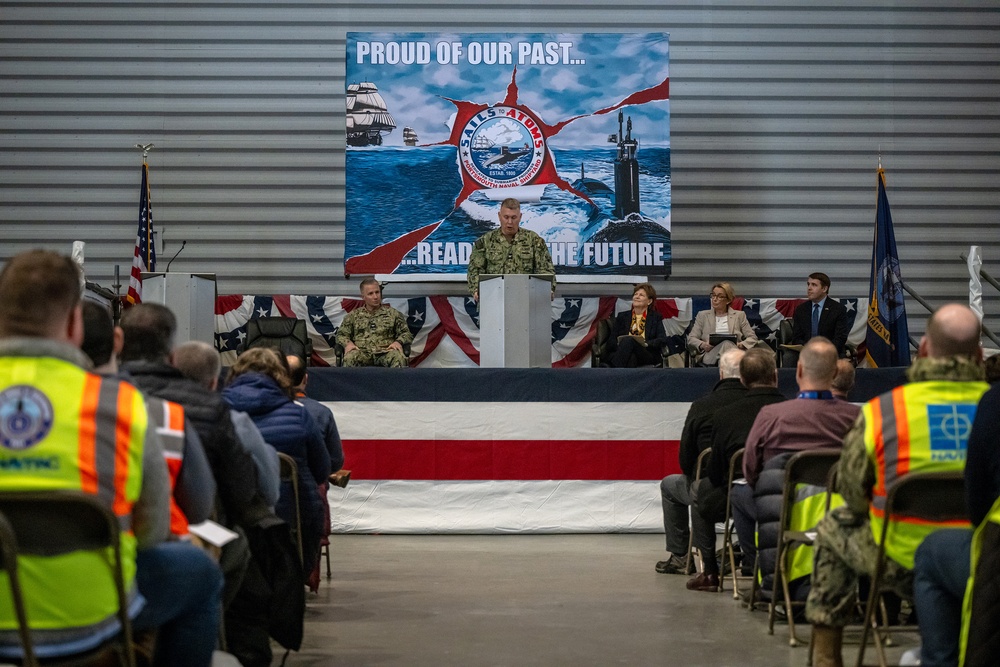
x=826, y=643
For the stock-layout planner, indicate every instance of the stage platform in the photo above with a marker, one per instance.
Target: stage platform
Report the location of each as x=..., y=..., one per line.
x=516, y=451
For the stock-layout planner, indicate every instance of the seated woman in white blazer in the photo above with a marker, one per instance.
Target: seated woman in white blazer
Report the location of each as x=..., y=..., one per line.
x=720, y=319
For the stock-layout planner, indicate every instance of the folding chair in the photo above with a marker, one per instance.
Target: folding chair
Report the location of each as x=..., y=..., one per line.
x=933, y=497
x=700, y=465
x=288, y=471
x=735, y=463
x=341, y=479
x=54, y=523
x=805, y=473
x=8, y=563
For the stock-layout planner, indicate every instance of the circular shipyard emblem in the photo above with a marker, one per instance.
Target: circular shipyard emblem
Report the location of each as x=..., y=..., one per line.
x=25, y=417
x=502, y=147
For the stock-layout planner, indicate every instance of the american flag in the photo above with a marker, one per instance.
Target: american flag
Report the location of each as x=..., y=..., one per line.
x=144, y=259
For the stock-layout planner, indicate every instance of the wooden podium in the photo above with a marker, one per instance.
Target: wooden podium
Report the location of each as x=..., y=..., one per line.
x=191, y=298
x=515, y=321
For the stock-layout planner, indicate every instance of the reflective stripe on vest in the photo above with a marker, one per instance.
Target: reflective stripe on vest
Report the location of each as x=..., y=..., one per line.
x=93, y=443
x=168, y=418
x=919, y=427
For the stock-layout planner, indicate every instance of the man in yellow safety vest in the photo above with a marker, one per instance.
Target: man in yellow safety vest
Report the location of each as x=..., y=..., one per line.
x=922, y=426
x=63, y=427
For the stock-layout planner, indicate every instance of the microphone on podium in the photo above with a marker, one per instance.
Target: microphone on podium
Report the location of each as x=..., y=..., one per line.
x=183, y=243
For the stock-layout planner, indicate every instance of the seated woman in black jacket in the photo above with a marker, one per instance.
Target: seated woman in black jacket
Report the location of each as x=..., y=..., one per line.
x=637, y=335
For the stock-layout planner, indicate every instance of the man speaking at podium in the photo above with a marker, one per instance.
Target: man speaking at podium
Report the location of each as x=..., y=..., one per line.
x=509, y=249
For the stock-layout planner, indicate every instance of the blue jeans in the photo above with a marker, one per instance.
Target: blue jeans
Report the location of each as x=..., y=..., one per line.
x=940, y=572
x=183, y=587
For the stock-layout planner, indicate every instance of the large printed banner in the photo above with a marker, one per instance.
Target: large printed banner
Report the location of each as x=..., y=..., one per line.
x=446, y=329
x=442, y=127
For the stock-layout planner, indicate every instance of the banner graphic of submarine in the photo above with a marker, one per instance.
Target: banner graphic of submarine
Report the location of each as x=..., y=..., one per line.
x=443, y=127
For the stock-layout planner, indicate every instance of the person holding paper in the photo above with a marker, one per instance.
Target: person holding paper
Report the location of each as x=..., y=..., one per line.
x=719, y=329
x=637, y=335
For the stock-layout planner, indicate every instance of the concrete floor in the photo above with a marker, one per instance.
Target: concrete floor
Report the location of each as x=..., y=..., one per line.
x=527, y=600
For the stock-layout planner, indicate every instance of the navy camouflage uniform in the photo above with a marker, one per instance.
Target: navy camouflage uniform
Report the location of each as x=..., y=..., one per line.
x=373, y=332
x=493, y=253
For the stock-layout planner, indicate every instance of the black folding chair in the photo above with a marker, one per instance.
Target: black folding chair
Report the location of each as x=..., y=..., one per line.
x=700, y=466
x=52, y=523
x=728, y=550
x=811, y=467
x=8, y=563
x=288, y=471
x=935, y=497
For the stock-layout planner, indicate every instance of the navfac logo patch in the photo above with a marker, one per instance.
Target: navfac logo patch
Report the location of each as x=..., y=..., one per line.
x=25, y=417
x=949, y=429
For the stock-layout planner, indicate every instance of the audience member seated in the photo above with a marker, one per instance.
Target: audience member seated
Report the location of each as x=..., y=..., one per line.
x=722, y=320
x=675, y=490
x=375, y=333
x=323, y=417
x=844, y=380
x=192, y=485
x=942, y=563
x=199, y=361
x=259, y=385
x=894, y=435
x=42, y=372
x=637, y=335
x=146, y=355
x=812, y=420
x=730, y=426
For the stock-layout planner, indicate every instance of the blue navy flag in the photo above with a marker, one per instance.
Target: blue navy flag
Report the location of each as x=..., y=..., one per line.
x=144, y=258
x=887, y=338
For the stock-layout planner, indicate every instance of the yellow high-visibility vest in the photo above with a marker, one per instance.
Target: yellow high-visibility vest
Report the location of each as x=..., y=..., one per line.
x=918, y=427
x=975, y=551
x=64, y=428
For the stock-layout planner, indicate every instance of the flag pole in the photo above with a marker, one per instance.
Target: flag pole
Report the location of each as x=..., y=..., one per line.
x=145, y=148
x=144, y=257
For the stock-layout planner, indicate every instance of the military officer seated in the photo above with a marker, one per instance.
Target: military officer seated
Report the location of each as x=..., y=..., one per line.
x=374, y=334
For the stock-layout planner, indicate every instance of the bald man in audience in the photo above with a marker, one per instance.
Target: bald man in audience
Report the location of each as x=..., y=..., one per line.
x=813, y=419
x=844, y=381
x=900, y=432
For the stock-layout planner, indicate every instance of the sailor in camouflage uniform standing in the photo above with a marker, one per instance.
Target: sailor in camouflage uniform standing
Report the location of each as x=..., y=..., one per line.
x=374, y=335
x=509, y=249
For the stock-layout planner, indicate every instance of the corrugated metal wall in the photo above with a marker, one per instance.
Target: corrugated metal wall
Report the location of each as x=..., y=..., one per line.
x=779, y=112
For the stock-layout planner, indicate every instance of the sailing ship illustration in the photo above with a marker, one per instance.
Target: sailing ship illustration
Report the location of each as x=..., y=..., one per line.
x=409, y=136
x=367, y=116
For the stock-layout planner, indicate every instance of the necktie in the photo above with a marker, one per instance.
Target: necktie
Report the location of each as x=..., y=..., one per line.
x=815, y=320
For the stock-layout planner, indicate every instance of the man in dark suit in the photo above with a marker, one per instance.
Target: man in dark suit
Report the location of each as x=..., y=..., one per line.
x=820, y=315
